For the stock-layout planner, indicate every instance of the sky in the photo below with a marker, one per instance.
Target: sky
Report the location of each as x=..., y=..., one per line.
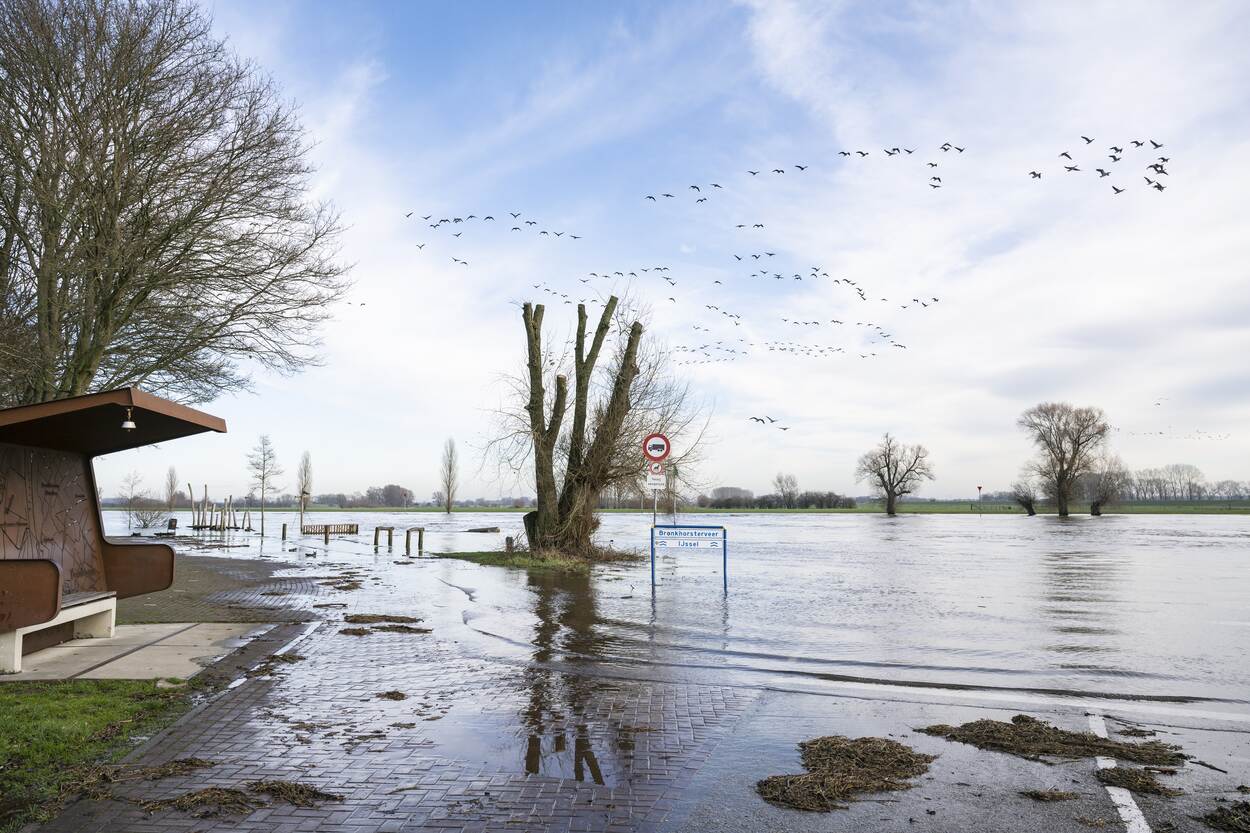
x=570, y=114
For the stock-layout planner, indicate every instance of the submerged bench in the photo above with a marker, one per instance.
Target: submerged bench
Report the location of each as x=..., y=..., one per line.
x=60, y=578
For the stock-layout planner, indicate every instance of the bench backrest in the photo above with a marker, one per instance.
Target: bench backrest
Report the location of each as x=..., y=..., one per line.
x=47, y=510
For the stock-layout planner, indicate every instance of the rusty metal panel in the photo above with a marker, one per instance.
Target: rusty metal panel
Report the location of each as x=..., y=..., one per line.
x=48, y=510
x=30, y=592
x=135, y=569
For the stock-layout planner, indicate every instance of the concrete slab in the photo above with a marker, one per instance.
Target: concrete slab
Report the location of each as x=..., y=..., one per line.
x=139, y=652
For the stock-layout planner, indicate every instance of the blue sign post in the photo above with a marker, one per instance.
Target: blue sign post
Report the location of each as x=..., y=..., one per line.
x=675, y=537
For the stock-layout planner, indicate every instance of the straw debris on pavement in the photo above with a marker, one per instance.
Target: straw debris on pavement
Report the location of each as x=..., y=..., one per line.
x=1234, y=818
x=208, y=802
x=293, y=792
x=841, y=768
x=1134, y=780
x=1036, y=740
x=378, y=618
x=1050, y=795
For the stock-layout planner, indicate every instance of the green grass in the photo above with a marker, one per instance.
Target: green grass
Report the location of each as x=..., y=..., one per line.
x=51, y=733
x=522, y=560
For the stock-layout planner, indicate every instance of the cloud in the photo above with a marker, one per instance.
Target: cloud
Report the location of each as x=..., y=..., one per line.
x=1050, y=289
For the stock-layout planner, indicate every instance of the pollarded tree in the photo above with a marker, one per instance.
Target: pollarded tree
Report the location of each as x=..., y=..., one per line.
x=894, y=469
x=587, y=439
x=1069, y=441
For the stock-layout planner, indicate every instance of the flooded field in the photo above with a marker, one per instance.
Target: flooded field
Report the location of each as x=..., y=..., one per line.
x=1142, y=607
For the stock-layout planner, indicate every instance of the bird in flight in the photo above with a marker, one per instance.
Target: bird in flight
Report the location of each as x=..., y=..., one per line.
x=801, y=167
x=753, y=173
x=1102, y=173
x=1088, y=140
x=651, y=198
x=409, y=214
x=756, y=419
x=1117, y=190
x=1071, y=168
x=1068, y=155
x=1035, y=174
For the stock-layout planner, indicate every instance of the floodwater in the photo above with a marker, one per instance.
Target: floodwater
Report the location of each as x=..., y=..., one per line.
x=1128, y=607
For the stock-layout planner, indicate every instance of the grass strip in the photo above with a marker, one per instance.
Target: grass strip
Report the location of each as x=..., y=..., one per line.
x=56, y=735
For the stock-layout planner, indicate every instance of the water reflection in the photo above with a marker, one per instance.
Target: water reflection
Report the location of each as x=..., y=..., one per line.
x=561, y=707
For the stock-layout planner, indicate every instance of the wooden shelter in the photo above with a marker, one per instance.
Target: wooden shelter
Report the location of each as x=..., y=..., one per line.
x=59, y=576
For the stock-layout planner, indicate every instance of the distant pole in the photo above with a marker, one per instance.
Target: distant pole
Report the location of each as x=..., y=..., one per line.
x=978, y=501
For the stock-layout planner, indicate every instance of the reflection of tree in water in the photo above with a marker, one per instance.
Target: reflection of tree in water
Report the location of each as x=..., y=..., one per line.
x=561, y=705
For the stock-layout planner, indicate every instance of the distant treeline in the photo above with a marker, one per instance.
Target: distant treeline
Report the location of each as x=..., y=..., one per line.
x=728, y=497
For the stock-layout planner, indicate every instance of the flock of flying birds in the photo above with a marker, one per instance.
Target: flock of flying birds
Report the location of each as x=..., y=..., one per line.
x=1116, y=153
x=719, y=336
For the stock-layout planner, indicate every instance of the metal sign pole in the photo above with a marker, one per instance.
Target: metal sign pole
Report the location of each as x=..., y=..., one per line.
x=653, y=559
x=655, y=501
x=724, y=557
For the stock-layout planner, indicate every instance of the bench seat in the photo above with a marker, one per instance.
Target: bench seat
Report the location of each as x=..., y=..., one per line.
x=94, y=614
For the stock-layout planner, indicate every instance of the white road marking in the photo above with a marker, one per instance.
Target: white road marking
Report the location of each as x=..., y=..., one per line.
x=1129, y=812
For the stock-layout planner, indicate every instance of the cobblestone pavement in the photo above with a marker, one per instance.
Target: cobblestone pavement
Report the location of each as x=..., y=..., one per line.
x=467, y=744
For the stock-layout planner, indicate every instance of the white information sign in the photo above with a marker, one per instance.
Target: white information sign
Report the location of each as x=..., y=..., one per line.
x=656, y=479
x=689, y=538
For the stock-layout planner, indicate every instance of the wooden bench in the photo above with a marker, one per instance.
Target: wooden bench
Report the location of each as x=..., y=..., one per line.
x=93, y=614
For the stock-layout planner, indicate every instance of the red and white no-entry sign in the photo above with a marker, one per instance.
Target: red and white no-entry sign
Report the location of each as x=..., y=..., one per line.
x=656, y=448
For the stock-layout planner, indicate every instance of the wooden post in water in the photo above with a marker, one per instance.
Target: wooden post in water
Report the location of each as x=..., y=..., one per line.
x=376, y=530
x=507, y=544
x=284, y=532
x=327, y=531
x=420, y=540
x=390, y=537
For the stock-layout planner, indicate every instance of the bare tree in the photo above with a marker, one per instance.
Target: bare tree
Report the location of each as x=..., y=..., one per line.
x=156, y=225
x=787, y=488
x=304, y=476
x=131, y=493
x=894, y=469
x=1024, y=492
x=171, y=488
x=263, y=464
x=449, y=475
x=1068, y=441
x=1105, y=483
x=147, y=511
x=614, y=404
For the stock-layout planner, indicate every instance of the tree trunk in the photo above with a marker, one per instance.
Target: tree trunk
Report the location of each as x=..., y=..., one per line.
x=889, y=503
x=564, y=517
x=1095, y=508
x=1030, y=510
x=1061, y=501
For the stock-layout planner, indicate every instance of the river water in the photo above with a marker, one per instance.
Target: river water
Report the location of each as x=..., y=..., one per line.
x=1141, y=607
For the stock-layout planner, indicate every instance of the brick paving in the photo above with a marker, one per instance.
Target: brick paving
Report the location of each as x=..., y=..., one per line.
x=212, y=589
x=476, y=744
